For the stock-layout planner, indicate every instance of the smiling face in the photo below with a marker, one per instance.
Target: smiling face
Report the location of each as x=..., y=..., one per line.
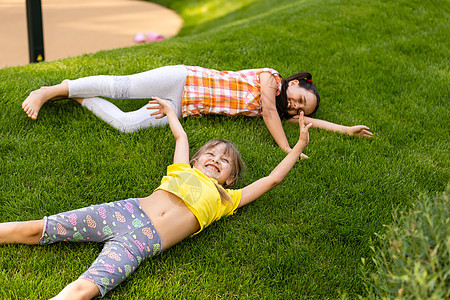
x=300, y=99
x=216, y=162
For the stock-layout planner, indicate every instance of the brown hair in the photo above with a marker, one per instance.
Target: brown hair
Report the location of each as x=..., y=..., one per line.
x=236, y=163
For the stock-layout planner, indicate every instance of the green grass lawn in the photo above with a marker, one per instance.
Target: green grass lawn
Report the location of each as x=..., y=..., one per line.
x=384, y=64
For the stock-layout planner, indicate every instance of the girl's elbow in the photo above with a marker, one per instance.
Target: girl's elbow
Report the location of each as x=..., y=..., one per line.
x=274, y=182
x=181, y=136
x=265, y=115
x=269, y=112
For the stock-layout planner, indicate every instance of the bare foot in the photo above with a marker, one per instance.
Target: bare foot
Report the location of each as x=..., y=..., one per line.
x=37, y=98
x=34, y=102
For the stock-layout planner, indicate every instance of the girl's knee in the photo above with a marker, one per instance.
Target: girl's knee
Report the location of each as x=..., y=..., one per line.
x=84, y=289
x=79, y=289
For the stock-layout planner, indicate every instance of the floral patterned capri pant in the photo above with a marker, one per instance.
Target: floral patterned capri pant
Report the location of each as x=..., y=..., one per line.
x=127, y=232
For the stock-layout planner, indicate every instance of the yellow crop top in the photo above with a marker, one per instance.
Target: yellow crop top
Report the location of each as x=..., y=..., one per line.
x=199, y=193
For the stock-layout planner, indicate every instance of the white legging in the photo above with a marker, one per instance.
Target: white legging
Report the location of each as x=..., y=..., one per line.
x=165, y=82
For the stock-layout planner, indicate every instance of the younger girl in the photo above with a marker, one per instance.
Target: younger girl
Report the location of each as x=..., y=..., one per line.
x=193, y=91
x=188, y=200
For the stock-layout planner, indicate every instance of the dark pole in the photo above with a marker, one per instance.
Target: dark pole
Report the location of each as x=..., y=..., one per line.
x=35, y=32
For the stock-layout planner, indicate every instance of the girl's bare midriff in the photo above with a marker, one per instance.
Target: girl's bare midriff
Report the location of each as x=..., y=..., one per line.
x=171, y=217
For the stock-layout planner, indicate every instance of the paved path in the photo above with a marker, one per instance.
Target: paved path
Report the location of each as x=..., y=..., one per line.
x=75, y=27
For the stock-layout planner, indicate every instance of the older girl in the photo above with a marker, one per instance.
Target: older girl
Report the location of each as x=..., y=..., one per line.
x=188, y=200
x=193, y=91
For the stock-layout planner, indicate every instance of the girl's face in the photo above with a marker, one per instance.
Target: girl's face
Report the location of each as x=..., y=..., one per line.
x=214, y=163
x=300, y=99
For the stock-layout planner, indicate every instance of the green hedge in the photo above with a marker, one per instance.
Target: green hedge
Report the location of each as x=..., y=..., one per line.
x=411, y=257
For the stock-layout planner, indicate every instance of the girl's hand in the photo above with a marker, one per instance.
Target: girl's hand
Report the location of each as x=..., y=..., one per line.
x=359, y=130
x=161, y=106
x=303, y=140
x=259, y=187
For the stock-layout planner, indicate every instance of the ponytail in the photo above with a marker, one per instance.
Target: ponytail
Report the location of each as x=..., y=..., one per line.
x=224, y=197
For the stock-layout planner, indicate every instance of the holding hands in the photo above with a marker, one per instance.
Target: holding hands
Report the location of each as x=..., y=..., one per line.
x=303, y=139
x=259, y=187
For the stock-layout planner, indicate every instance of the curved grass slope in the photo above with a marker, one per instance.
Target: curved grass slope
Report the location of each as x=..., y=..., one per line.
x=379, y=63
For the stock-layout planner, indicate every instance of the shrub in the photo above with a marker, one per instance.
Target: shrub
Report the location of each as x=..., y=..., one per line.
x=411, y=258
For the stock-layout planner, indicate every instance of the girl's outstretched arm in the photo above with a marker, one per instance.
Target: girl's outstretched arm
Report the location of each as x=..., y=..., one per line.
x=261, y=186
x=269, y=111
x=359, y=130
x=181, y=141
